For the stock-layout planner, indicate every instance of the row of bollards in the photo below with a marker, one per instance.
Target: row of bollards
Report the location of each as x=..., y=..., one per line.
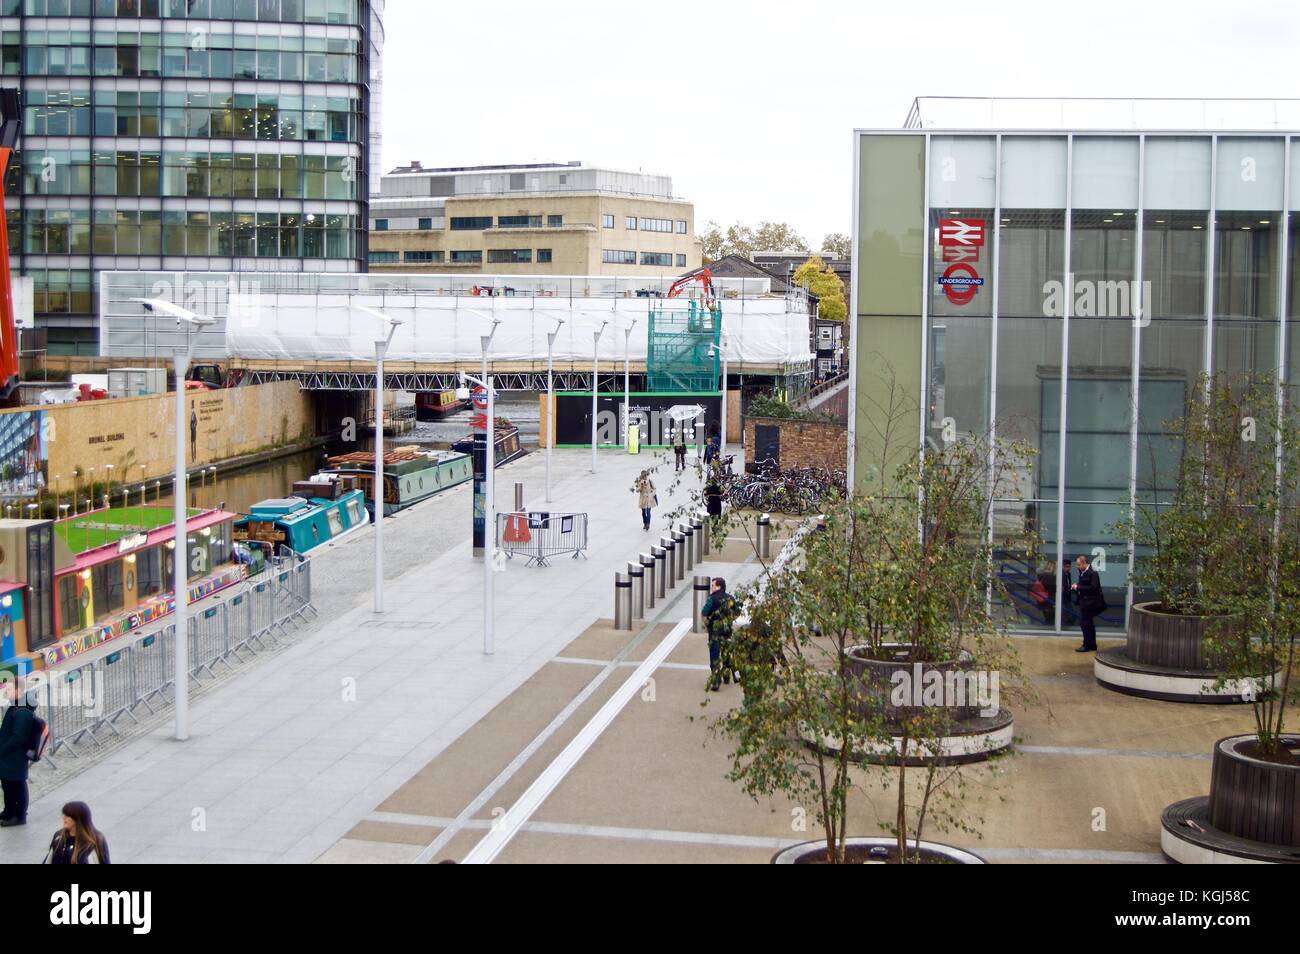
x=648, y=579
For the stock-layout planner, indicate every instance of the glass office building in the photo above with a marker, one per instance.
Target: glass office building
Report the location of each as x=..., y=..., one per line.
x=185, y=134
x=1066, y=287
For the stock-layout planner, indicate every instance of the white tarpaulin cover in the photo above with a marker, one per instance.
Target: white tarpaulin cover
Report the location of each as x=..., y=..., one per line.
x=329, y=327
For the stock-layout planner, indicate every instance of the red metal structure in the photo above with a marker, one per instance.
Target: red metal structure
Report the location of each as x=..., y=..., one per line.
x=703, y=276
x=10, y=121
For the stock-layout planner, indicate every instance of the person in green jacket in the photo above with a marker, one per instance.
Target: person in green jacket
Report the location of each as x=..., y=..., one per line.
x=15, y=736
x=719, y=610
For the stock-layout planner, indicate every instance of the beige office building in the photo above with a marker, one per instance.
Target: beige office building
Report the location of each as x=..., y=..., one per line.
x=534, y=219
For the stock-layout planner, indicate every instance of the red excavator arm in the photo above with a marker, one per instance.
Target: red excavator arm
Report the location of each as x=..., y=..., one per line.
x=703, y=276
x=10, y=120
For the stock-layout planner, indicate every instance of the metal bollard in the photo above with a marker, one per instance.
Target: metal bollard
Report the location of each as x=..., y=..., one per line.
x=670, y=548
x=688, y=537
x=622, y=601
x=764, y=536
x=703, y=517
x=519, y=496
x=679, y=542
x=701, y=594
x=637, y=575
x=661, y=571
x=648, y=572
x=701, y=543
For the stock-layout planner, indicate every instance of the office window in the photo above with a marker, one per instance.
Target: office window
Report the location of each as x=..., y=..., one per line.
x=656, y=258
x=383, y=258
x=467, y=258
x=616, y=257
x=681, y=227
x=519, y=221
x=681, y=261
x=543, y=256
x=423, y=258
x=515, y=256
x=607, y=221
x=630, y=223
x=426, y=225
x=381, y=225
x=554, y=221
x=656, y=225
x=470, y=223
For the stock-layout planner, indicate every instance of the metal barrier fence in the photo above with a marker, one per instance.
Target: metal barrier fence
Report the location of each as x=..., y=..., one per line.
x=539, y=535
x=82, y=703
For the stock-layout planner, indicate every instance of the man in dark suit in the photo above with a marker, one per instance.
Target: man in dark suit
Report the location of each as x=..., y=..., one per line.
x=1087, y=593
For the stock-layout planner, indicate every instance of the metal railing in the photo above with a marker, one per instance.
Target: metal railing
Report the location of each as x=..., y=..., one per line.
x=83, y=704
x=539, y=535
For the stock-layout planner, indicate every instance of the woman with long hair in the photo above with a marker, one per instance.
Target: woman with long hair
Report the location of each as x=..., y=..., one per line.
x=78, y=842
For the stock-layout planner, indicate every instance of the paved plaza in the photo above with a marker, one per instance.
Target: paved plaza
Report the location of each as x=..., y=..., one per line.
x=393, y=738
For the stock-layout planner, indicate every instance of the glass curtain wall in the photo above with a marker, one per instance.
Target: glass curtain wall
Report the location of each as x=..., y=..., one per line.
x=1133, y=263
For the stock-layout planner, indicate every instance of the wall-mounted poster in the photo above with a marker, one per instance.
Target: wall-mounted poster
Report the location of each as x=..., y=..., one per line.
x=24, y=453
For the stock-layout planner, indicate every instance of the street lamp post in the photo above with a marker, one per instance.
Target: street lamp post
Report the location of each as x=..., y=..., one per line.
x=381, y=349
x=627, y=379
x=490, y=514
x=595, y=373
x=550, y=400
x=180, y=558
x=721, y=351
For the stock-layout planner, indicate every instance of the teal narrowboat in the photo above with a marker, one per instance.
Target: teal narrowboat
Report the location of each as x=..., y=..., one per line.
x=320, y=510
x=410, y=474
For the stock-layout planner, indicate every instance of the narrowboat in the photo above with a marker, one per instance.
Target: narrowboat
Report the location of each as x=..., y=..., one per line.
x=436, y=405
x=410, y=474
x=320, y=510
x=507, y=444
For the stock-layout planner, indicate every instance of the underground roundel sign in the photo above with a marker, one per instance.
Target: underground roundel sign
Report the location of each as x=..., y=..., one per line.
x=480, y=398
x=960, y=282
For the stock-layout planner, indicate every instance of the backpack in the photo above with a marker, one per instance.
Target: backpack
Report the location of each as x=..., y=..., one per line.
x=39, y=740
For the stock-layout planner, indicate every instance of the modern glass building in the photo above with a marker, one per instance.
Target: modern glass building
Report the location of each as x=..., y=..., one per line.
x=1065, y=283
x=185, y=134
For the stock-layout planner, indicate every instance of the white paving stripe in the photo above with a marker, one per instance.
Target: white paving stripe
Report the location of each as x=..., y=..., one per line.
x=750, y=841
x=522, y=810
x=1130, y=753
x=627, y=664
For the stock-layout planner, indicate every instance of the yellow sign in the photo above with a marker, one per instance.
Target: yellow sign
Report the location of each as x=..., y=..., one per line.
x=633, y=439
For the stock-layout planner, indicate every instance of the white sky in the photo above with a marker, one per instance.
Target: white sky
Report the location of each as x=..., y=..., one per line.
x=750, y=106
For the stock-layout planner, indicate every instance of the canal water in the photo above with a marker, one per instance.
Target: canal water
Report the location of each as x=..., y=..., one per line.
x=239, y=490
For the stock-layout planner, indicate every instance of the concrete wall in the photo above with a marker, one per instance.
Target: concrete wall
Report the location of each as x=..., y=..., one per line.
x=128, y=432
x=804, y=443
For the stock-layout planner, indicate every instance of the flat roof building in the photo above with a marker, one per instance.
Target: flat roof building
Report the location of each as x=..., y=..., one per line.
x=530, y=219
x=1061, y=274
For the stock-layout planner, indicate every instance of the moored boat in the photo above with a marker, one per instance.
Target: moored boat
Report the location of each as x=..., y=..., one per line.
x=507, y=444
x=436, y=405
x=410, y=474
x=320, y=510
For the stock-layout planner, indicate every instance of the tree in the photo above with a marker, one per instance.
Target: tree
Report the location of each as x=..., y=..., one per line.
x=818, y=278
x=837, y=245
x=743, y=240
x=901, y=575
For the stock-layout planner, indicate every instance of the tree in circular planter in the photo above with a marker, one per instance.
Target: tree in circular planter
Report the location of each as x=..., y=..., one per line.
x=1197, y=547
x=1249, y=578
x=899, y=582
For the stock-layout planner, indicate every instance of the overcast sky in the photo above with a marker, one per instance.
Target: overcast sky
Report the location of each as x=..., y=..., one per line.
x=750, y=106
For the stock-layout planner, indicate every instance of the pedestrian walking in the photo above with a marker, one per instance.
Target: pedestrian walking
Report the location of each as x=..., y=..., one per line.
x=679, y=450
x=78, y=842
x=16, y=729
x=719, y=610
x=1091, y=600
x=712, y=445
x=646, y=497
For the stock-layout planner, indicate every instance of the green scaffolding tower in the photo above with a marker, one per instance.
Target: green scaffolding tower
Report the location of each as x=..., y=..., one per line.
x=678, y=357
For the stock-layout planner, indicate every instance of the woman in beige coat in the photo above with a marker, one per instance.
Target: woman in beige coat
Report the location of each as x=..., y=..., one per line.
x=646, y=496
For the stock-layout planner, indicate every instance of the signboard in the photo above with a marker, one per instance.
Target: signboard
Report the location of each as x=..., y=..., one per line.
x=480, y=494
x=960, y=241
x=649, y=413
x=132, y=542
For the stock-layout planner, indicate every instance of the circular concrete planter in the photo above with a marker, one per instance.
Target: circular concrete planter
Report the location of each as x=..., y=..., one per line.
x=970, y=735
x=1252, y=814
x=859, y=851
x=1165, y=658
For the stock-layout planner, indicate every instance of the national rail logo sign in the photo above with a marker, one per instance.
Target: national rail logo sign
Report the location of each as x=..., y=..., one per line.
x=960, y=241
